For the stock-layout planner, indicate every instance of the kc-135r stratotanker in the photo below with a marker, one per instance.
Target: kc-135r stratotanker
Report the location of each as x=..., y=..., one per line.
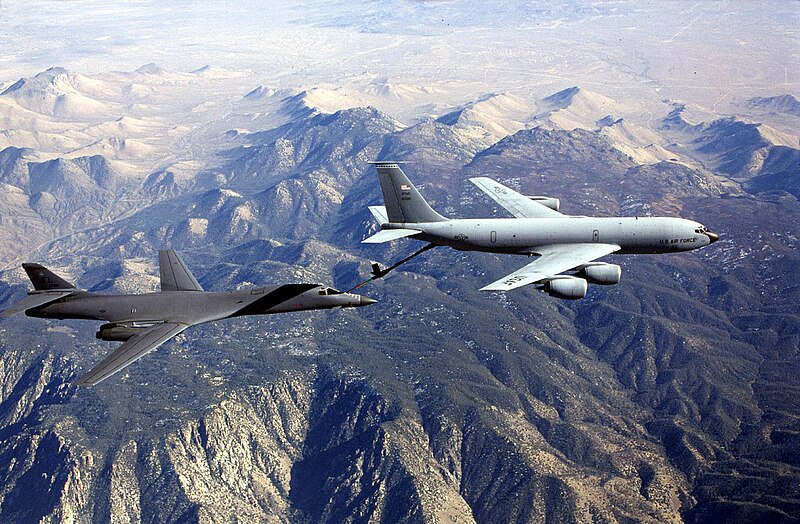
x=563, y=243
x=145, y=321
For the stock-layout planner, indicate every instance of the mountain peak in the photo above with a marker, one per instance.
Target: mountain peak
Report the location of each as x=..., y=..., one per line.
x=488, y=119
x=55, y=78
x=779, y=104
x=318, y=100
x=60, y=92
x=260, y=92
x=150, y=69
x=209, y=71
x=14, y=87
x=576, y=97
x=563, y=96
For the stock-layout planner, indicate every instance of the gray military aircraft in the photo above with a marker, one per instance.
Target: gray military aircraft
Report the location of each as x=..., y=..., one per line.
x=563, y=243
x=145, y=321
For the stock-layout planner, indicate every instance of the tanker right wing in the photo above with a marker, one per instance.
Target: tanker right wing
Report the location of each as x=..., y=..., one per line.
x=554, y=259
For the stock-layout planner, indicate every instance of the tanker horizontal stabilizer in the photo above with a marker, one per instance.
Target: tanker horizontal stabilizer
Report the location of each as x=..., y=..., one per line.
x=387, y=235
x=380, y=214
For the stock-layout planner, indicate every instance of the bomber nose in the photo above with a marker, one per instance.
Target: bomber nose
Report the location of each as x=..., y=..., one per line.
x=713, y=237
x=365, y=301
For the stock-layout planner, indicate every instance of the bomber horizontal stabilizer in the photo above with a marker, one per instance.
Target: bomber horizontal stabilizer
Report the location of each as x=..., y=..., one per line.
x=387, y=235
x=35, y=299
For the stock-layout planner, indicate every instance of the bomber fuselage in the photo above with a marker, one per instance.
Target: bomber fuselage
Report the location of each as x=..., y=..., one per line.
x=194, y=307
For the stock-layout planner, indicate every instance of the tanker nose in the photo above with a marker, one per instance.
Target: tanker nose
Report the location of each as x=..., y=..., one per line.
x=365, y=301
x=712, y=237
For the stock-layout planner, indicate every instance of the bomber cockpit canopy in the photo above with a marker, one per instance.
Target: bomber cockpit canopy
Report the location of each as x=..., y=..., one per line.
x=329, y=291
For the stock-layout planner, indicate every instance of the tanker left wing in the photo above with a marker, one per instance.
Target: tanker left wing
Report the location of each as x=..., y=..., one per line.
x=140, y=344
x=554, y=259
x=515, y=203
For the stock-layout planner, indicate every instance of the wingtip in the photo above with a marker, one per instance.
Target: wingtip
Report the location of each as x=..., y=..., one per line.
x=89, y=379
x=85, y=382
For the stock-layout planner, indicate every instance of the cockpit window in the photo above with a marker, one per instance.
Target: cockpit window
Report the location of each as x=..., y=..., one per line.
x=329, y=291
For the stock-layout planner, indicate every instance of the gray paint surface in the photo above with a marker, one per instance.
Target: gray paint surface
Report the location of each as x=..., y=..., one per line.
x=562, y=242
x=145, y=321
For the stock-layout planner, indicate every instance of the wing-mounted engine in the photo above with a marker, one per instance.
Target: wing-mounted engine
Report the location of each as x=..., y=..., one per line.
x=566, y=287
x=122, y=331
x=552, y=203
x=601, y=273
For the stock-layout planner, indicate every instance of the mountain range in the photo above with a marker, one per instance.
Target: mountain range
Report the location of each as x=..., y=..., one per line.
x=669, y=397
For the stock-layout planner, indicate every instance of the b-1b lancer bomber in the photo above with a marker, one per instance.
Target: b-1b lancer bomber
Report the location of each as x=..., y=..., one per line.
x=143, y=322
x=562, y=243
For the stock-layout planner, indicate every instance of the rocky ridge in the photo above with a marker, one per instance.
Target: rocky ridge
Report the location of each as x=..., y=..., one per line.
x=661, y=399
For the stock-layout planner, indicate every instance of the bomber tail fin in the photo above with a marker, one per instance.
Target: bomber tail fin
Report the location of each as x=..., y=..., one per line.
x=175, y=276
x=45, y=280
x=403, y=201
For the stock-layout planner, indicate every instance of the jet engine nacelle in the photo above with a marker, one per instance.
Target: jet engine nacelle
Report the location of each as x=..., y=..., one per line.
x=570, y=288
x=116, y=332
x=602, y=273
x=552, y=203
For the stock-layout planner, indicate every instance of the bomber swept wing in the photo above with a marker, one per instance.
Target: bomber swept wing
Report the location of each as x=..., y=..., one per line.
x=554, y=259
x=517, y=204
x=132, y=350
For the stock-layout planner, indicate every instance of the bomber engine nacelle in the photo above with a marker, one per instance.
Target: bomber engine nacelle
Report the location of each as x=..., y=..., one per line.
x=569, y=288
x=601, y=273
x=116, y=332
x=552, y=203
